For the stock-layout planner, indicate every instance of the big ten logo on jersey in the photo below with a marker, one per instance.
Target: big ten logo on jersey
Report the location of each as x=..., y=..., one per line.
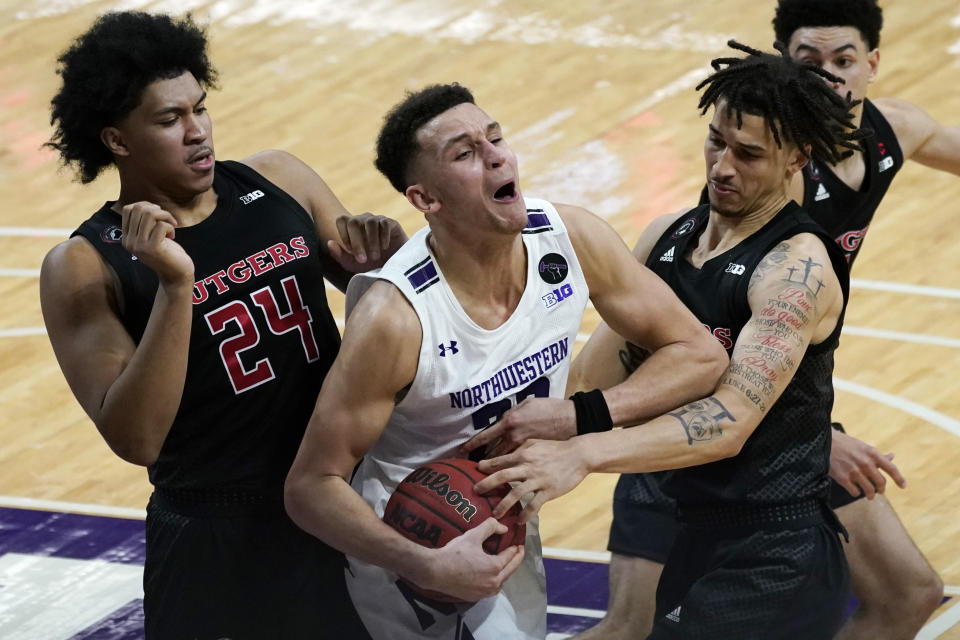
x=722, y=334
x=556, y=296
x=239, y=316
x=250, y=197
x=735, y=269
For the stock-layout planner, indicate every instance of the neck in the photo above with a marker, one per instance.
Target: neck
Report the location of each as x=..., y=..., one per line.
x=188, y=209
x=487, y=274
x=724, y=232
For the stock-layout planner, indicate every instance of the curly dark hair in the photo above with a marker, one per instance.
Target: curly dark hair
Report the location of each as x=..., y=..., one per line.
x=792, y=97
x=397, y=141
x=105, y=72
x=864, y=15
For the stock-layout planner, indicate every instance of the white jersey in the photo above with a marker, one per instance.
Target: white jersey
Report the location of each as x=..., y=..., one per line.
x=467, y=377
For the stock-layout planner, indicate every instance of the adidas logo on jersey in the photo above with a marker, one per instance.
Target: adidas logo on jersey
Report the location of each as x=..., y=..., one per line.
x=822, y=193
x=668, y=256
x=250, y=197
x=674, y=615
x=886, y=163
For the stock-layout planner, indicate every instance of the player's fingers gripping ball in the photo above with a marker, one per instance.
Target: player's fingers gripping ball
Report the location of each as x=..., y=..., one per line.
x=436, y=503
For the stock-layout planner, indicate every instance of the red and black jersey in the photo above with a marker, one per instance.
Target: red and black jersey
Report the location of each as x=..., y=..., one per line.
x=787, y=457
x=262, y=337
x=846, y=213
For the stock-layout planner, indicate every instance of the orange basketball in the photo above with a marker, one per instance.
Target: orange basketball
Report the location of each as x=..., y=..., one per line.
x=436, y=503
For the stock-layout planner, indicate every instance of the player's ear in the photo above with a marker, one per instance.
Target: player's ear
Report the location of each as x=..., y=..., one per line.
x=873, y=61
x=113, y=140
x=797, y=159
x=420, y=197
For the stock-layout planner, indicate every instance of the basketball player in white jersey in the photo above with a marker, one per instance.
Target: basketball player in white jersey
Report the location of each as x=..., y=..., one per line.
x=478, y=312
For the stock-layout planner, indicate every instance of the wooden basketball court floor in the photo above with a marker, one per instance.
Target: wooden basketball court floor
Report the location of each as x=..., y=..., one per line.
x=597, y=99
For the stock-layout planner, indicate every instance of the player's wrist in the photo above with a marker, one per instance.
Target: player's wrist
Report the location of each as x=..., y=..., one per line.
x=591, y=411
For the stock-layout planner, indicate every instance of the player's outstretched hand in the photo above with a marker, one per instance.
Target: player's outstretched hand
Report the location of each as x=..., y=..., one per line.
x=462, y=568
x=856, y=466
x=148, y=234
x=540, y=470
x=366, y=241
x=534, y=418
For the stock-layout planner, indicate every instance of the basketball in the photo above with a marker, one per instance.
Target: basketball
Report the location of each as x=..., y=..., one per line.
x=436, y=503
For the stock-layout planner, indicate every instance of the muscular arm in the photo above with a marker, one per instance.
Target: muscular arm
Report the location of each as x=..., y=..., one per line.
x=606, y=360
x=788, y=312
x=685, y=361
x=352, y=243
x=920, y=136
x=131, y=392
x=378, y=358
x=790, y=309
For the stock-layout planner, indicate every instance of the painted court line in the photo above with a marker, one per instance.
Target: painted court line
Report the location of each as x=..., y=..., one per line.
x=72, y=507
x=941, y=624
x=900, y=287
x=576, y=554
x=575, y=611
x=908, y=406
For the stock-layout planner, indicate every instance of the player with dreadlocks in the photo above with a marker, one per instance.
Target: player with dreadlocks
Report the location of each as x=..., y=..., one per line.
x=895, y=586
x=757, y=553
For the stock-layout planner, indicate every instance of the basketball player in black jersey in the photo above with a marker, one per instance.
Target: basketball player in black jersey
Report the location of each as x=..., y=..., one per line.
x=190, y=320
x=896, y=587
x=757, y=554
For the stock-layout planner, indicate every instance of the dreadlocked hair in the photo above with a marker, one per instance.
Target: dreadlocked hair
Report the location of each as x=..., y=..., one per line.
x=864, y=15
x=792, y=97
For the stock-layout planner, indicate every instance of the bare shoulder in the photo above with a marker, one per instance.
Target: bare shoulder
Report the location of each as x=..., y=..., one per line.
x=798, y=271
x=911, y=125
x=653, y=231
x=72, y=265
x=276, y=165
x=384, y=313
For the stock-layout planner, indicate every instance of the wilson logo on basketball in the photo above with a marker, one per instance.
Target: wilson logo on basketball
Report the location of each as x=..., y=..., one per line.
x=438, y=483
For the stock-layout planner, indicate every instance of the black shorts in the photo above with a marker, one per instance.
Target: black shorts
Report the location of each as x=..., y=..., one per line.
x=243, y=572
x=763, y=585
x=643, y=515
x=644, y=518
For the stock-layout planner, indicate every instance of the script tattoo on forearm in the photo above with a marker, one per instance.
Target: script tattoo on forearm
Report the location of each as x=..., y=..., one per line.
x=632, y=356
x=702, y=419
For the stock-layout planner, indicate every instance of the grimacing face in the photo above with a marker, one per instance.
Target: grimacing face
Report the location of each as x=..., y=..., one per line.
x=465, y=168
x=840, y=50
x=747, y=172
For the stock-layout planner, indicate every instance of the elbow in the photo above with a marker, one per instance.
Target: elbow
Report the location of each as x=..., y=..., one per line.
x=295, y=488
x=141, y=455
x=714, y=363
x=135, y=450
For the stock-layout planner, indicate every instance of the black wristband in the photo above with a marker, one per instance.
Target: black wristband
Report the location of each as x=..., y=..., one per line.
x=593, y=415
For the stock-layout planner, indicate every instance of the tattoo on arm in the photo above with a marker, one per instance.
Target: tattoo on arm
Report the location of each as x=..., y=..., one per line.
x=632, y=356
x=701, y=419
x=775, y=335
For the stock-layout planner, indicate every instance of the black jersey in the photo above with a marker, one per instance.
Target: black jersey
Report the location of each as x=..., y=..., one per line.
x=787, y=456
x=261, y=341
x=844, y=212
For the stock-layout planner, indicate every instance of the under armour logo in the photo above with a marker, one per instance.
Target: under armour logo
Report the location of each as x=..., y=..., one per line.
x=450, y=348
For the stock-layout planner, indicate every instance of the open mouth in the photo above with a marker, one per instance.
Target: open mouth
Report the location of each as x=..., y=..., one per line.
x=506, y=193
x=202, y=159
